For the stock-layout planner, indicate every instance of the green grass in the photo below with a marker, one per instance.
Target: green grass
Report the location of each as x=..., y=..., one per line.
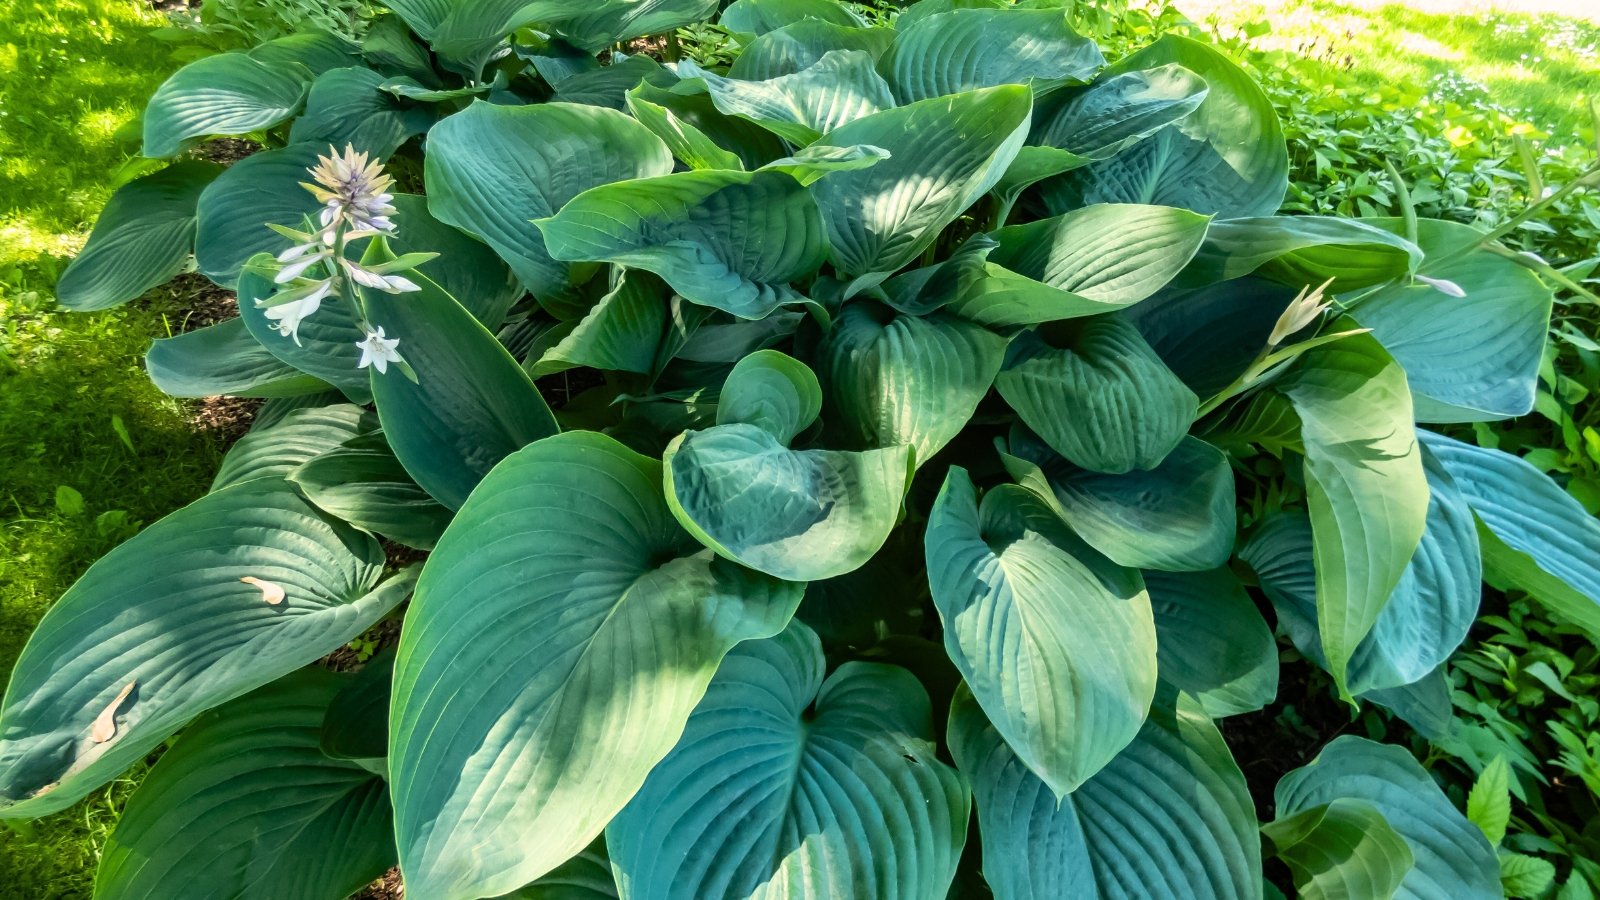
x=76, y=410
x=1537, y=69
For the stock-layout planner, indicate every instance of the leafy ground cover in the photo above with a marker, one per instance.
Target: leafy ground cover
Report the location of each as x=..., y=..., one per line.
x=76, y=412
x=89, y=449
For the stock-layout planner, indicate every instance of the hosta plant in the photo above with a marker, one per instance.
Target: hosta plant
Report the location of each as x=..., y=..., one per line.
x=945, y=415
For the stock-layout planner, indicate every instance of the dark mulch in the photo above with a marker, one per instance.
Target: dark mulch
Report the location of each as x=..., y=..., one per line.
x=1270, y=743
x=386, y=888
x=383, y=635
x=226, y=150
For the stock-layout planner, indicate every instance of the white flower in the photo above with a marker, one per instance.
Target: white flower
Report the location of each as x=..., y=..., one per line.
x=378, y=351
x=300, y=258
x=288, y=308
x=1302, y=311
x=1443, y=286
x=393, y=284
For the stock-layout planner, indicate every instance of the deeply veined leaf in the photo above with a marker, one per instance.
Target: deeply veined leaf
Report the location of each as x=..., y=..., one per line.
x=698, y=134
x=274, y=450
x=1212, y=642
x=349, y=106
x=801, y=515
x=1226, y=158
x=761, y=16
x=839, y=88
x=1342, y=849
x=467, y=38
x=1452, y=857
x=465, y=268
x=492, y=169
x=1169, y=817
x=1365, y=486
x=1209, y=336
x=1095, y=260
x=1177, y=517
x=355, y=725
x=609, y=85
x=1303, y=251
x=471, y=404
x=247, y=802
x=1097, y=394
x=235, y=209
x=706, y=233
x=586, y=876
x=966, y=49
x=836, y=789
x=364, y=484
x=1057, y=644
x=1535, y=535
x=223, y=359
x=318, y=51
x=167, y=612
x=772, y=391
x=944, y=153
x=799, y=45
x=1423, y=621
x=1102, y=119
x=142, y=238
x=894, y=379
x=567, y=554
x=622, y=333
x=229, y=93
x=1467, y=359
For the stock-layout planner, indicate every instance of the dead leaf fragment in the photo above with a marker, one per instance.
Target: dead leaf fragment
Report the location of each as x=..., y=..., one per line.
x=105, y=725
x=271, y=592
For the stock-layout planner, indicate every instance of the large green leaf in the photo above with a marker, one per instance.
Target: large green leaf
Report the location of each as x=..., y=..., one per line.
x=1423, y=621
x=1535, y=535
x=364, y=484
x=229, y=93
x=799, y=45
x=1085, y=262
x=235, y=209
x=1169, y=817
x=493, y=169
x=839, y=88
x=789, y=785
x=586, y=876
x=1365, y=485
x=1467, y=359
x=1102, y=119
x=247, y=804
x=275, y=449
x=945, y=153
x=224, y=359
x=349, y=106
x=1057, y=644
x=1341, y=850
x=967, y=49
x=761, y=16
x=562, y=633
x=467, y=38
x=1177, y=517
x=701, y=136
x=1303, y=251
x=142, y=238
x=167, y=614
x=1212, y=642
x=709, y=234
x=318, y=51
x=1209, y=336
x=623, y=332
x=1227, y=157
x=891, y=378
x=471, y=405
x=800, y=515
x=1453, y=858
x=1097, y=394
x=465, y=268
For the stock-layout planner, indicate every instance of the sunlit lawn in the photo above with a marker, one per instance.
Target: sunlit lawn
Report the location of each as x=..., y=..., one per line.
x=1543, y=68
x=73, y=74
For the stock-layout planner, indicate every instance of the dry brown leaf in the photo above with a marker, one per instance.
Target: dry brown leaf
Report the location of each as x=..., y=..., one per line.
x=105, y=725
x=271, y=592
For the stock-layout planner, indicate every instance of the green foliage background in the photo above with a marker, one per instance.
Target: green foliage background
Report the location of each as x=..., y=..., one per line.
x=91, y=450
